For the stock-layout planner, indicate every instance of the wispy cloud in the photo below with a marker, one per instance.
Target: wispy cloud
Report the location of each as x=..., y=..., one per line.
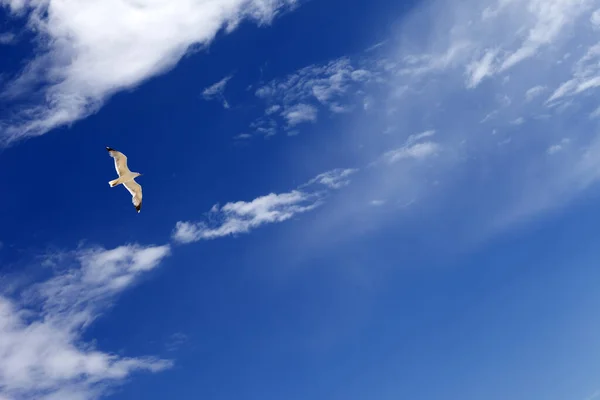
x=596, y=394
x=418, y=136
x=216, y=90
x=84, y=63
x=534, y=92
x=323, y=83
x=412, y=149
x=555, y=148
x=176, y=341
x=433, y=74
x=299, y=113
x=42, y=354
x=7, y=38
x=242, y=217
x=551, y=17
x=273, y=109
x=334, y=179
x=586, y=75
x=423, y=64
x=478, y=70
x=333, y=86
x=435, y=77
x=243, y=136
x=417, y=151
x=595, y=18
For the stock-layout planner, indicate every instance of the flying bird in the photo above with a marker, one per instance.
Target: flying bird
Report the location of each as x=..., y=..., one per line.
x=126, y=177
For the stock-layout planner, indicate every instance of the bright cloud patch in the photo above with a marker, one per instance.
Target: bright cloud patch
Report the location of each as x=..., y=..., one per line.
x=478, y=70
x=242, y=217
x=334, y=179
x=300, y=113
x=42, y=355
x=83, y=61
x=418, y=151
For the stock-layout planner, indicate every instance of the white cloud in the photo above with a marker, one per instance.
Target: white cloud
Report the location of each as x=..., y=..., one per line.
x=7, y=38
x=339, y=109
x=334, y=179
x=42, y=354
x=299, y=113
x=551, y=17
x=264, y=126
x=418, y=136
x=534, y=92
x=418, y=151
x=558, y=147
x=242, y=217
x=334, y=85
x=554, y=149
x=86, y=63
x=595, y=18
x=273, y=109
x=586, y=75
x=422, y=64
x=216, y=90
x=489, y=116
x=324, y=83
x=412, y=149
x=377, y=203
x=506, y=33
x=478, y=70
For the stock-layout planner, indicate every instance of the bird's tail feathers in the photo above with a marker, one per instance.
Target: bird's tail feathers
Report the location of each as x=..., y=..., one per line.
x=114, y=182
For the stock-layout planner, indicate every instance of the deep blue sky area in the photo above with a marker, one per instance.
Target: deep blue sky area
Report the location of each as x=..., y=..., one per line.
x=353, y=200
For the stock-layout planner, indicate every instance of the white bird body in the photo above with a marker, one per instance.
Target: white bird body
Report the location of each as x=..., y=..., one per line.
x=126, y=177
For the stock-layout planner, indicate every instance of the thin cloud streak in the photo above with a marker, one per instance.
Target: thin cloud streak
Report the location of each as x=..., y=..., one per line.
x=242, y=217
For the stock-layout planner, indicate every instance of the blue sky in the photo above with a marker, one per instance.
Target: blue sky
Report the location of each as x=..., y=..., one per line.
x=342, y=200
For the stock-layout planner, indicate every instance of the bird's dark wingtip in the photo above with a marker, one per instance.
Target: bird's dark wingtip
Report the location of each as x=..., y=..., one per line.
x=139, y=208
x=109, y=149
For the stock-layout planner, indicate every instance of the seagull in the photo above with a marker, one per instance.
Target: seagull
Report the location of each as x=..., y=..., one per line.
x=126, y=177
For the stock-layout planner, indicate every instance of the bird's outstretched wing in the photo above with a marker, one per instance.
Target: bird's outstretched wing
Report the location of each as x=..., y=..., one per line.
x=120, y=161
x=136, y=193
